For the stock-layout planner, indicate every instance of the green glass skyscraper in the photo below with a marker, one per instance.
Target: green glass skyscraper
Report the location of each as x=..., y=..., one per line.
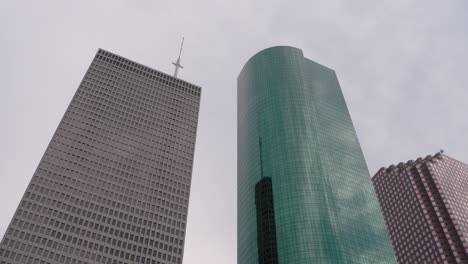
x=304, y=191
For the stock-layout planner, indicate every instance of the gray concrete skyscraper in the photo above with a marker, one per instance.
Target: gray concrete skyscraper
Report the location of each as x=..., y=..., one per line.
x=113, y=185
x=425, y=206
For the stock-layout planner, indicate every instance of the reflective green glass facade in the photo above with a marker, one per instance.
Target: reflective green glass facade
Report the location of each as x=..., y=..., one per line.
x=294, y=129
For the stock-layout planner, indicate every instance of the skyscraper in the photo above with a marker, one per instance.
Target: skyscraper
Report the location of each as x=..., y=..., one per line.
x=304, y=191
x=425, y=206
x=113, y=185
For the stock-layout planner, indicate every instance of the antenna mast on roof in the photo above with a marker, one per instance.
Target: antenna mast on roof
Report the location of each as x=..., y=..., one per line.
x=177, y=63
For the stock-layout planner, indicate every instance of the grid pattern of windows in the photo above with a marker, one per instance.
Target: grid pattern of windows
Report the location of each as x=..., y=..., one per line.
x=424, y=204
x=325, y=209
x=113, y=185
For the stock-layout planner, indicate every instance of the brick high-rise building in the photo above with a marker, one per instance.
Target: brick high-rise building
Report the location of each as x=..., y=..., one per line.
x=113, y=185
x=425, y=206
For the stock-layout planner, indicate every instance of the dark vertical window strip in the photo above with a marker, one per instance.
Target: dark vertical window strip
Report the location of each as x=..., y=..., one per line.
x=266, y=228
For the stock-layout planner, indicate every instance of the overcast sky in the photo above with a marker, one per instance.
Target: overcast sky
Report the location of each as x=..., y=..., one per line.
x=402, y=66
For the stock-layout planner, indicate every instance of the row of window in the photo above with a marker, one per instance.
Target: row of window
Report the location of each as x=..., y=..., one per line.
x=55, y=181
x=116, y=199
x=146, y=71
x=142, y=200
x=166, y=168
x=182, y=134
x=123, y=97
x=138, y=173
x=152, y=157
x=132, y=181
x=103, y=167
x=74, y=234
x=55, y=224
x=75, y=187
x=36, y=246
x=146, y=113
x=138, y=94
x=93, y=117
x=82, y=227
x=87, y=118
x=120, y=221
x=134, y=92
x=124, y=143
x=169, y=163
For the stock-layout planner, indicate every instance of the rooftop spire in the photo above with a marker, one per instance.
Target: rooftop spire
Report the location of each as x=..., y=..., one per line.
x=177, y=63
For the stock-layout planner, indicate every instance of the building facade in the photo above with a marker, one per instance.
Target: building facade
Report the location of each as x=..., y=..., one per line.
x=113, y=185
x=304, y=191
x=425, y=206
